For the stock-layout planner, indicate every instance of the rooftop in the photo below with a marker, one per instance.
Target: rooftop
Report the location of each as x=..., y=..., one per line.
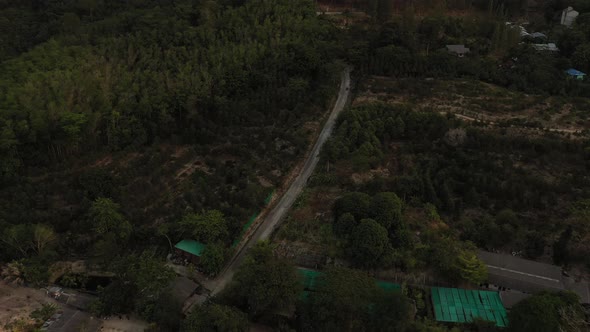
x=462, y=305
x=574, y=72
x=538, y=35
x=461, y=49
x=546, y=47
x=191, y=246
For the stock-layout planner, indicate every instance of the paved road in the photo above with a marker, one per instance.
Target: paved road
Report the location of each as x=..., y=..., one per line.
x=274, y=217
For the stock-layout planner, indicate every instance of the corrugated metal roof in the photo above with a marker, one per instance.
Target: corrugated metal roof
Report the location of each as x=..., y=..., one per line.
x=574, y=72
x=461, y=49
x=191, y=246
x=462, y=305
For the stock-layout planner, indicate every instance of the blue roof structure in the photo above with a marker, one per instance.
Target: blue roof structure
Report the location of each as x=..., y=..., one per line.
x=574, y=72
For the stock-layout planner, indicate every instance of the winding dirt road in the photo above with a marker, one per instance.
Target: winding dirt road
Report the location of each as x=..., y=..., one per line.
x=276, y=215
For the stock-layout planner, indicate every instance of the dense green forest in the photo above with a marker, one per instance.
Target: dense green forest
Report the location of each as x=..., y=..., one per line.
x=104, y=105
x=497, y=190
x=126, y=78
x=126, y=126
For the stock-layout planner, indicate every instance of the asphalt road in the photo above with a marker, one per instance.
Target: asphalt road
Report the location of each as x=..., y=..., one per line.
x=278, y=213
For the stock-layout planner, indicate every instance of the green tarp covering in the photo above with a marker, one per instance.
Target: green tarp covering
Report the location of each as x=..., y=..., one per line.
x=462, y=305
x=310, y=278
x=191, y=246
x=250, y=221
x=388, y=286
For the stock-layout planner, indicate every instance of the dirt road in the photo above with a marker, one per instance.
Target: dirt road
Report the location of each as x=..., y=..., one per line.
x=274, y=217
x=492, y=123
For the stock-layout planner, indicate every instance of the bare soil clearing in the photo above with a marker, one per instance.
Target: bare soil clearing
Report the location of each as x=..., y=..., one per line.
x=18, y=302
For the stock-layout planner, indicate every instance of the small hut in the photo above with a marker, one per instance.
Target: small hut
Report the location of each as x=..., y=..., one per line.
x=190, y=250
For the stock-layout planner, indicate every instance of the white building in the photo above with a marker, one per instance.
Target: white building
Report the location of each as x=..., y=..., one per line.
x=568, y=16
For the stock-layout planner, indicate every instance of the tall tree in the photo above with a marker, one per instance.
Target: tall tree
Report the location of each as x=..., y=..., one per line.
x=207, y=227
x=216, y=318
x=104, y=217
x=386, y=209
x=391, y=312
x=43, y=237
x=213, y=258
x=356, y=203
x=141, y=281
x=342, y=301
x=369, y=243
x=264, y=283
x=541, y=312
x=471, y=268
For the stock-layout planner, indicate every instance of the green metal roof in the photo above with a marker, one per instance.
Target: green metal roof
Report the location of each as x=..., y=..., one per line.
x=191, y=246
x=462, y=305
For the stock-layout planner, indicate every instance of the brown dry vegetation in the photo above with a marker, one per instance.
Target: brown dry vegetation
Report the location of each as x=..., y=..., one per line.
x=17, y=303
x=480, y=101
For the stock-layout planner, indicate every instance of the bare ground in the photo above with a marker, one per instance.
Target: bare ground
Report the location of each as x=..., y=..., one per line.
x=18, y=302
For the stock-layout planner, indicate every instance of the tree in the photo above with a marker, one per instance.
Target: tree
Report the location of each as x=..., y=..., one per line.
x=140, y=282
x=456, y=260
x=386, y=209
x=561, y=250
x=581, y=57
x=541, y=312
x=168, y=314
x=342, y=301
x=105, y=218
x=369, y=243
x=88, y=6
x=207, y=227
x=471, y=268
x=13, y=272
x=264, y=283
x=17, y=239
x=344, y=225
x=356, y=203
x=71, y=22
x=213, y=258
x=506, y=216
x=392, y=312
x=216, y=318
x=43, y=236
x=42, y=314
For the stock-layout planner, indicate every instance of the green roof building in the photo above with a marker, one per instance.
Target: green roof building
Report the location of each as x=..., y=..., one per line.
x=456, y=305
x=190, y=250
